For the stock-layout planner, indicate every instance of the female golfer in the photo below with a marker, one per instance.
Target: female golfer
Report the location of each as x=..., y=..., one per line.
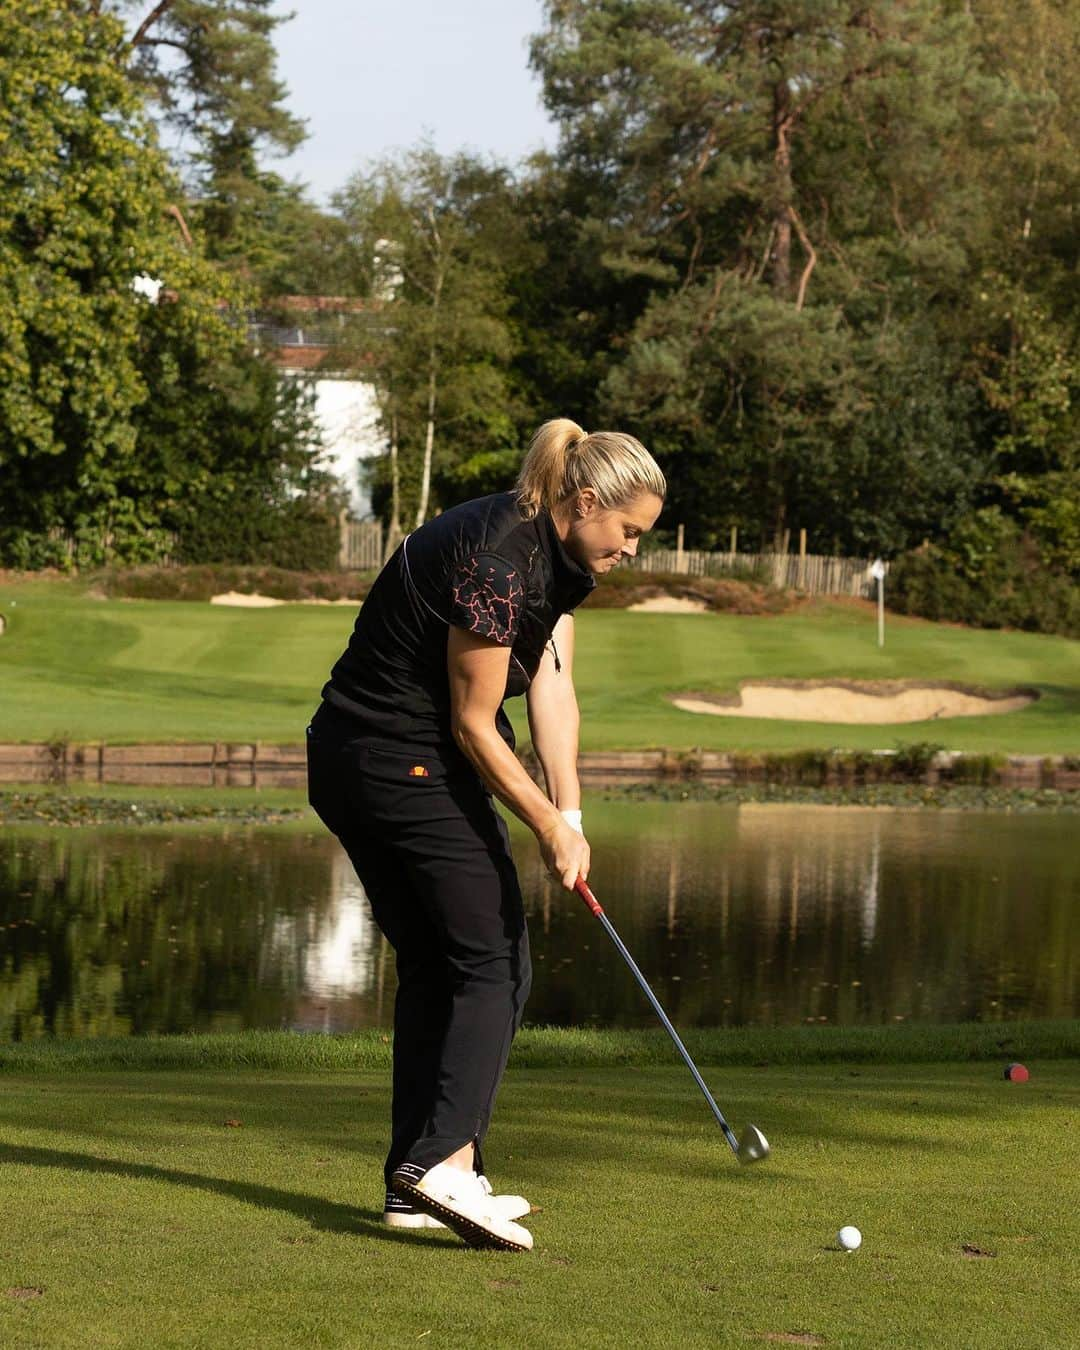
x=404, y=754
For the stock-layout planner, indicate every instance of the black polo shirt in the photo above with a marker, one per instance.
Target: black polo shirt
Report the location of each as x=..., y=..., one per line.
x=479, y=567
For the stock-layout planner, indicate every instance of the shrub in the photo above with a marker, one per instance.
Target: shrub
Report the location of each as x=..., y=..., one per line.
x=988, y=575
x=860, y=766
x=200, y=583
x=914, y=758
x=247, y=529
x=628, y=586
x=978, y=770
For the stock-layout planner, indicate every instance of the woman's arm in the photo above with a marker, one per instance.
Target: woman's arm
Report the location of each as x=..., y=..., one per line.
x=477, y=669
x=554, y=719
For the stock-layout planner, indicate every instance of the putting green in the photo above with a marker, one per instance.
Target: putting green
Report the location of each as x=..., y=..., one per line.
x=82, y=668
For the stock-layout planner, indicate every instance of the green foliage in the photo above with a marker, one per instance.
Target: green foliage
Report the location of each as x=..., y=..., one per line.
x=988, y=574
x=250, y=528
x=914, y=758
x=126, y=421
x=1049, y=505
x=58, y=808
x=822, y=261
x=83, y=192
x=979, y=770
x=784, y=204
x=208, y=68
x=237, y=450
x=435, y=235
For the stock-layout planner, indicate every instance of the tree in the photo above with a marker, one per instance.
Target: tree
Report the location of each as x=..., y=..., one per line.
x=208, y=69
x=792, y=193
x=120, y=409
x=83, y=198
x=1036, y=49
x=435, y=234
x=1025, y=346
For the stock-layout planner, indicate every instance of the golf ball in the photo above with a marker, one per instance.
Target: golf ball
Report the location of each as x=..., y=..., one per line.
x=849, y=1238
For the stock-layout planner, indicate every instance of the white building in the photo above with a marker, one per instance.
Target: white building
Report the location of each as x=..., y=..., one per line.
x=302, y=336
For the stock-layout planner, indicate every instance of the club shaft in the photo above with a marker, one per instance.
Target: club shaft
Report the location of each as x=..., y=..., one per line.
x=587, y=895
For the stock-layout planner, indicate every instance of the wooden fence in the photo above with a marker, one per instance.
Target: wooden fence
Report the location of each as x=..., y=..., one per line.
x=813, y=573
x=158, y=546
x=361, y=548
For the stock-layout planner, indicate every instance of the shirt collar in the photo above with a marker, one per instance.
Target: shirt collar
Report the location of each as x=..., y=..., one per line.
x=573, y=581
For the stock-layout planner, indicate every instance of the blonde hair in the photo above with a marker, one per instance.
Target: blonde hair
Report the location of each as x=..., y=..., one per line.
x=562, y=459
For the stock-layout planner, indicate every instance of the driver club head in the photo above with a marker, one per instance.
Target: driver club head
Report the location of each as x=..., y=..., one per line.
x=753, y=1146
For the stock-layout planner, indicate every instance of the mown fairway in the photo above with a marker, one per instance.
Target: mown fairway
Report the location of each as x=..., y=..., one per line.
x=91, y=669
x=241, y=1208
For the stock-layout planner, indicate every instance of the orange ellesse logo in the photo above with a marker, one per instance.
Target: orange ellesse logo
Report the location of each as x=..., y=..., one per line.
x=418, y=771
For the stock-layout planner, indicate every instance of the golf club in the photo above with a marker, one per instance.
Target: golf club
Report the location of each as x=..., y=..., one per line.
x=753, y=1146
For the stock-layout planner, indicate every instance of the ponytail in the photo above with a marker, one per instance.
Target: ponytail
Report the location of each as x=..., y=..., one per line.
x=543, y=474
x=562, y=459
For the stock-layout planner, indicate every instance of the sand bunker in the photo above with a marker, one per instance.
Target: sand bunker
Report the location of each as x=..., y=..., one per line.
x=255, y=601
x=669, y=604
x=856, y=701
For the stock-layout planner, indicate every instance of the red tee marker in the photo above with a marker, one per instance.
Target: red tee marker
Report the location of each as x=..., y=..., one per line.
x=1016, y=1073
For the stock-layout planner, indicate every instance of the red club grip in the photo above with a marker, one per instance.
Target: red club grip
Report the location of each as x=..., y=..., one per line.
x=581, y=886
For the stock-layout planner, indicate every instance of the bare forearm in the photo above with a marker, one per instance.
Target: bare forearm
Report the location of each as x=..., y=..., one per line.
x=555, y=740
x=501, y=770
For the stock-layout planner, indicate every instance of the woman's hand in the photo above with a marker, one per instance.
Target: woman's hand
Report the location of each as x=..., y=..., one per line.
x=565, y=853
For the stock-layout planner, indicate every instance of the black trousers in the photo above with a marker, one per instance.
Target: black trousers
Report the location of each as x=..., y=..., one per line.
x=434, y=858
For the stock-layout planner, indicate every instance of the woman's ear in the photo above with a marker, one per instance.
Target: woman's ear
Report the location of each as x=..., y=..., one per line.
x=587, y=503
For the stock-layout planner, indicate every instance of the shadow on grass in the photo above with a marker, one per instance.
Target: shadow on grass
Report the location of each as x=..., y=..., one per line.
x=324, y=1215
x=565, y=1109
x=655, y=1122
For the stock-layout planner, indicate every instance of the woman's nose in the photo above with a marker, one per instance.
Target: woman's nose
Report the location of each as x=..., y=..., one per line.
x=630, y=548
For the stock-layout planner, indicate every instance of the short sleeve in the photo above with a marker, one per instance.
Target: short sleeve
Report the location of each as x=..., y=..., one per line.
x=487, y=597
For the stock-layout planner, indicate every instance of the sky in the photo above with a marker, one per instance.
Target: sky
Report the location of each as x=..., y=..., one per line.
x=370, y=78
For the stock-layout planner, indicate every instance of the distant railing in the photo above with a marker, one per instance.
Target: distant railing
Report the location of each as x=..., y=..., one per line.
x=813, y=573
x=158, y=547
x=361, y=547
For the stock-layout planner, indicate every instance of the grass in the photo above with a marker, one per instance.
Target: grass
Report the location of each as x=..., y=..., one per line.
x=240, y=1207
x=563, y=1048
x=125, y=670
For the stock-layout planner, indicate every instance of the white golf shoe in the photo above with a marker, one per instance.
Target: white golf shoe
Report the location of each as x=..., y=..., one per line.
x=399, y=1213
x=461, y=1201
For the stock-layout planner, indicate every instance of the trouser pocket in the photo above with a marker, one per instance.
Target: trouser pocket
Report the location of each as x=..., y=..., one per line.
x=327, y=790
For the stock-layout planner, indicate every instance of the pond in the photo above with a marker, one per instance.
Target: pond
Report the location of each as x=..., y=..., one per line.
x=764, y=915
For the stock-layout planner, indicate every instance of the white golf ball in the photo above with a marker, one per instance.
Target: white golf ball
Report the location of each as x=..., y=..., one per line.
x=849, y=1238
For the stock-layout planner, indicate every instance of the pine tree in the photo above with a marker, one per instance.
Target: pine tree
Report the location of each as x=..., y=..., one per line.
x=209, y=69
x=791, y=190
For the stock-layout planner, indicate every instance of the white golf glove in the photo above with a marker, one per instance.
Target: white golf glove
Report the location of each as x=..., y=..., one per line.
x=573, y=819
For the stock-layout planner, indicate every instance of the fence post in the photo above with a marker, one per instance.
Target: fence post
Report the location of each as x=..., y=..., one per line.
x=680, y=556
x=734, y=540
x=802, y=560
x=343, y=541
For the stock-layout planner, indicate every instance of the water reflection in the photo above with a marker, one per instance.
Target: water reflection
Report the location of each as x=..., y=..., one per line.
x=343, y=960
x=766, y=915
